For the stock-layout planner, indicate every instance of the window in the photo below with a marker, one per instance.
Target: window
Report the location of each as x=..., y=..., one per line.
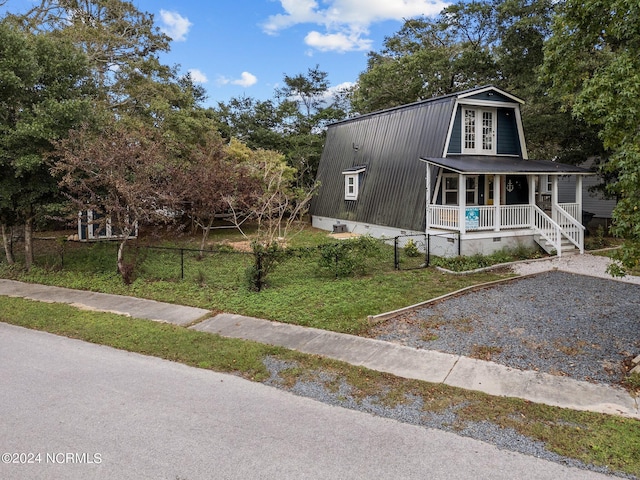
x=450, y=193
x=352, y=182
x=450, y=190
x=351, y=187
x=479, y=131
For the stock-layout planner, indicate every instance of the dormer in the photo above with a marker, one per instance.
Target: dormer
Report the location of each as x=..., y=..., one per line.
x=486, y=122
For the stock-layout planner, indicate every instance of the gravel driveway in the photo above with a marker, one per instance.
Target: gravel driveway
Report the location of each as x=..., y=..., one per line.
x=556, y=322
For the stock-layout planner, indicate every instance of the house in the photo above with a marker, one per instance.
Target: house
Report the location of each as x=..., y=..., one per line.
x=599, y=207
x=454, y=168
x=92, y=227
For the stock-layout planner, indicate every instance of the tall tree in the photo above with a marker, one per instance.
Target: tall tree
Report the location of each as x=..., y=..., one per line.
x=293, y=123
x=431, y=57
x=592, y=61
x=470, y=44
x=43, y=95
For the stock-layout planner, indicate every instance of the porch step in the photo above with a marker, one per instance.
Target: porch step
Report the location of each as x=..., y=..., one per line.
x=566, y=247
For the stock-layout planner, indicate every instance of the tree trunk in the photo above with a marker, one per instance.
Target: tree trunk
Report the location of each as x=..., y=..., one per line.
x=7, y=242
x=205, y=236
x=28, y=242
x=121, y=266
x=125, y=270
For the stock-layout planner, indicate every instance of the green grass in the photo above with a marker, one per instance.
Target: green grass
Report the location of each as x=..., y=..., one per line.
x=589, y=437
x=297, y=291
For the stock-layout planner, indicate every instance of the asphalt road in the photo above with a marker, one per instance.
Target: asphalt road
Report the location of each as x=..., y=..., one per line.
x=74, y=410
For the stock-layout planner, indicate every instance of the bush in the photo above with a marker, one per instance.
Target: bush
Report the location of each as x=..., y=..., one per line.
x=411, y=249
x=266, y=258
x=348, y=257
x=473, y=262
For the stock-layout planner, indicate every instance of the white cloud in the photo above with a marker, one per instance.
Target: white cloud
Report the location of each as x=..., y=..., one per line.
x=337, y=42
x=197, y=76
x=175, y=25
x=346, y=22
x=246, y=80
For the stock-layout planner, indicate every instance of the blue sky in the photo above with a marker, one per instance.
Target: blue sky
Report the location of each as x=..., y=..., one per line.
x=240, y=48
x=245, y=47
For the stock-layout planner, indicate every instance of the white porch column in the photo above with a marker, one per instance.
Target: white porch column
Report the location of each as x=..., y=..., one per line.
x=532, y=196
x=532, y=189
x=579, y=195
x=428, y=200
x=462, y=202
x=554, y=197
x=497, y=182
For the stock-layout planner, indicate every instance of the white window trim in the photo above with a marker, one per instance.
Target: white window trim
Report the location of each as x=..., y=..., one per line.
x=352, y=194
x=478, y=130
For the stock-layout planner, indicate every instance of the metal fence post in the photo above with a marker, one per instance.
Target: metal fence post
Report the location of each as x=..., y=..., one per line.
x=182, y=263
x=396, y=260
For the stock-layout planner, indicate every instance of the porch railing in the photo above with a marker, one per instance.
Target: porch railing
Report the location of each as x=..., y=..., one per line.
x=573, y=209
x=547, y=228
x=444, y=216
x=483, y=217
x=571, y=228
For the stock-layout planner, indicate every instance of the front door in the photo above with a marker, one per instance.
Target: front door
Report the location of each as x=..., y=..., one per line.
x=516, y=190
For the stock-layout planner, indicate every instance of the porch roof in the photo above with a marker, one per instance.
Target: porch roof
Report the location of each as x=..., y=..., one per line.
x=482, y=164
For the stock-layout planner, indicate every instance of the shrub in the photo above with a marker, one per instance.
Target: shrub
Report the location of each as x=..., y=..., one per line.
x=411, y=249
x=348, y=257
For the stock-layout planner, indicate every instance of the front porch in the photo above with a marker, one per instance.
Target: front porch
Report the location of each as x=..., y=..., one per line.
x=500, y=198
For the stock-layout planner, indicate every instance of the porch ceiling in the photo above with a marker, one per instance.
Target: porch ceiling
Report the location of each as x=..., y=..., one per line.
x=481, y=165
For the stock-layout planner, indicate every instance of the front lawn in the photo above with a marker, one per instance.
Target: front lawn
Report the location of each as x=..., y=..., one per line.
x=298, y=290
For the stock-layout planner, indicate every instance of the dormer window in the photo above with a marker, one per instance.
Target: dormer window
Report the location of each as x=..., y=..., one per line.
x=352, y=182
x=479, y=131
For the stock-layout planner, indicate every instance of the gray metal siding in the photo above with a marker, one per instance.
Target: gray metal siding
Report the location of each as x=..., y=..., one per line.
x=390, y=143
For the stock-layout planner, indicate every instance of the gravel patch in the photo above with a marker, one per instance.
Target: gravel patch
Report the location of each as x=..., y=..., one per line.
x=412, y=411
x=556, y=322
x=561, y=323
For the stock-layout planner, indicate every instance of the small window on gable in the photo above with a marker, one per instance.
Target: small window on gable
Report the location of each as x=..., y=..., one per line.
x=352, y=182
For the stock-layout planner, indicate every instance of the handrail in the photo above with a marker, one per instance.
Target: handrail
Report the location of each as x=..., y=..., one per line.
x=579, y=228
x=547, y=228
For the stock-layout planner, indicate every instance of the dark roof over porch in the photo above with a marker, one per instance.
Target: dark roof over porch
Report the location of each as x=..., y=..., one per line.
x=482, y=164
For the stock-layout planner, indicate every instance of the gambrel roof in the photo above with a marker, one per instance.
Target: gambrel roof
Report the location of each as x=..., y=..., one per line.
x=388, y=144
x=385, y=149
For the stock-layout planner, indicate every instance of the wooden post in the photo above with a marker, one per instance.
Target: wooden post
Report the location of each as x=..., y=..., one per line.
x=554, y=197
x=579, y=196
x=497, y=181
x=462, y=202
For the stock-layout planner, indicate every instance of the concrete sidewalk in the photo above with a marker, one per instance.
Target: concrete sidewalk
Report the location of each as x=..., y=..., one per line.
x=430, y=366
x=399, y=360
x=103, y=302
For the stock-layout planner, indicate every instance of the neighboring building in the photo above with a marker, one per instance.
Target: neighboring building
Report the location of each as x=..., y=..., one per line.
x=92, y=226
x=454, y=167
x=598, y=209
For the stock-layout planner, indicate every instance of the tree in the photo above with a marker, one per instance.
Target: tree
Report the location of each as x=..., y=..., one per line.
x=212, y=184
x=593, y=64
x=307, y=105
x=293, y=123
x=120, y=173
x=122, y=45
x=431, y=57
x=44, y=93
